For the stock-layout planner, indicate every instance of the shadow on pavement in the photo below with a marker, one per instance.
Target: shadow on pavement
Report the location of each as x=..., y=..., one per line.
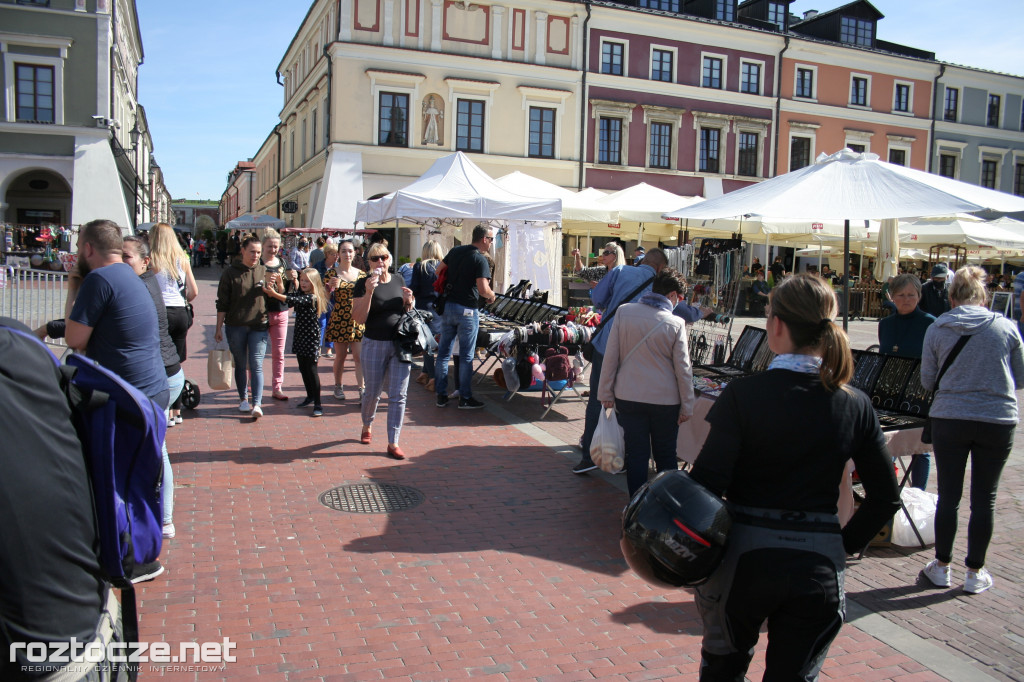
x=501, y=499
x=677, y=615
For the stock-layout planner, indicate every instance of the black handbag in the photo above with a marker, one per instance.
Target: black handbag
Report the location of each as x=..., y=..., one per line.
x=588, y=349
x=926, y=431
x=413, y=335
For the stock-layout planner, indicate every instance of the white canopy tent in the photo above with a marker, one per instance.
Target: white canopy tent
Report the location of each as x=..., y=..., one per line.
x=641, y=208
x=254, y=221
x=455, y=194
x=851, y=186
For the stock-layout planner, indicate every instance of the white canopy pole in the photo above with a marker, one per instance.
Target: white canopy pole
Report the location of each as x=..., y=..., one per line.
x=821, y=253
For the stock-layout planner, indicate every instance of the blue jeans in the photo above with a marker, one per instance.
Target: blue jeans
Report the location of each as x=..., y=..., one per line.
x=988, y=446
x=593, y=412
x=248, y=347
x=647, y=429
x=463, y=323
x=174, y=384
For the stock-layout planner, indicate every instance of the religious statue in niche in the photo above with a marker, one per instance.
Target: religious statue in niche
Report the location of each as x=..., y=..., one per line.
x=433, y=120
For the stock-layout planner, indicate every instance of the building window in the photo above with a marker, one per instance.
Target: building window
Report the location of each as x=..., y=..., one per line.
x=313, y=131
x=712, y=73
x=612, y=58
x=35, y=94
x=747, y=162
x=993, y=111
x=1018, y=180
x=542, y=133
x=777, y=14
x=393, y=123
x=898, y=157
x=725, y=10
x=855, y=31
x=469, y=126
x=947, y=166
x=750, y=78
x=663, y=5
x=610, y=141
x=859, y=92
x=709, y=150
x=305, y=142
x=952, y=103
x=799, y=153
x=988, y=173
x=661, y=66
x=805, y=83
x=661, y=145
x=291, y=150
x=901, y=98
x=859, y=148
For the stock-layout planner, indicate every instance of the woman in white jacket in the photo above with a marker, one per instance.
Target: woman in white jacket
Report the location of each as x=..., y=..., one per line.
x=646, y=377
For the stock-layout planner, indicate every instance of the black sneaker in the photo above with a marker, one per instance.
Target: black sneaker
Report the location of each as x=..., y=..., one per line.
x=147, y=572
x=470, y=403
x=584, y=466
x=442, y=400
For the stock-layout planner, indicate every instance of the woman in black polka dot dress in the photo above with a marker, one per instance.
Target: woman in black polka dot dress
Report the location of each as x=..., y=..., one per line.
x=309, y=303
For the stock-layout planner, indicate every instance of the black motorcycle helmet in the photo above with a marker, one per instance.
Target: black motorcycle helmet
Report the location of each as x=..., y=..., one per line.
x=674, y=531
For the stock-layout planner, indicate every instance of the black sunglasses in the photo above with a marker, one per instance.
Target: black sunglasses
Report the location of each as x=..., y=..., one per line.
x=375, y=259
x=608, y=253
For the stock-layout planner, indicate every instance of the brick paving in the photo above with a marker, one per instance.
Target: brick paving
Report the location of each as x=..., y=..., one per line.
x=508, y=569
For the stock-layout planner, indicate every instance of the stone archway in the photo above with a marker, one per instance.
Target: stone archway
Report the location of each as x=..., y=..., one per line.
x=34, y=198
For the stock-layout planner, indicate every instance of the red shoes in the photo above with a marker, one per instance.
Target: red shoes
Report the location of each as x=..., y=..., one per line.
x=395, y=452
x=365, y=437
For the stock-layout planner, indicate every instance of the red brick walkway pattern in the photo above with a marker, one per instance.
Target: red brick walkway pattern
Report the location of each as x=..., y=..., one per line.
x=509, y=569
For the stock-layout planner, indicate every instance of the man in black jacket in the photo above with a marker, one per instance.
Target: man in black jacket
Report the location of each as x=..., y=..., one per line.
x=934, y=294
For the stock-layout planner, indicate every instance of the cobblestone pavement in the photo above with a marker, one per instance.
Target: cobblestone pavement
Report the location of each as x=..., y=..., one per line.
x=509, y=568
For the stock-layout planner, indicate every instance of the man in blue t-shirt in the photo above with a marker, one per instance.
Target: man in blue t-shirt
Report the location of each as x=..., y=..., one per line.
x=113, y=320
x=467, y=283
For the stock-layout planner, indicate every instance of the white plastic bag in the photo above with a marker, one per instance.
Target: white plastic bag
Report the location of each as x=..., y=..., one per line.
x=608, y=447
x=921, y=507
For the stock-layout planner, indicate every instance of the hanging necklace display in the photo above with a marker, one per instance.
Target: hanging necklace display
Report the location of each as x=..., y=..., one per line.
x=891, y=381
x=916, y=398
x=866, y=371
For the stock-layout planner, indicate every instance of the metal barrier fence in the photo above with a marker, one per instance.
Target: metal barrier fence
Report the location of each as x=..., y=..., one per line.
x=33, y=297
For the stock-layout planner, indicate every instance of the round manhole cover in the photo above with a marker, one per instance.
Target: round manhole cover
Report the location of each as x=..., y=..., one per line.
x=371, y=498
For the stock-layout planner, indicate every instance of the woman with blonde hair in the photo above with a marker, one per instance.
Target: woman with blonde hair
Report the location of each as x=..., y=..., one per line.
x=611, y=256
x=277, y=310
x=424, y=274
x=973, y=360
x=342, y=329
x=379, y=301
x=779, y=463
x=178, y=286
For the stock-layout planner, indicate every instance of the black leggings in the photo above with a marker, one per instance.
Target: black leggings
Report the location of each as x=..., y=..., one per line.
x=988, y=446
x=177, y=329
x=310, y=377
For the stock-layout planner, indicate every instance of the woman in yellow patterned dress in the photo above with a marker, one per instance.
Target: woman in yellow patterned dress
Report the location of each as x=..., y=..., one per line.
x=342, y=330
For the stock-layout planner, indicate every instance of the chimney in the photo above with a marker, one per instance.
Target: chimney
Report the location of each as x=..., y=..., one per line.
x=810, y=14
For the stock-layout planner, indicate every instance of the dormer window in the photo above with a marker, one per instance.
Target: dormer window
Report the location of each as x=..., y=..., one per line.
x=854, y=31
x=777, y=14
x=725, y=10
x=663, y=5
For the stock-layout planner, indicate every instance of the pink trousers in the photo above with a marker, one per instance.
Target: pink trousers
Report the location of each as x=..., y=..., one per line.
x=278, y=334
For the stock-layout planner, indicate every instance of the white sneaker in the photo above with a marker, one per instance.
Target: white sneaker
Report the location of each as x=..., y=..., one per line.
x=178, y=419
x=168, y=531
x=257, y=412
x=977, y=581
x=244, y=406
x=170, y=422
x=937, y=575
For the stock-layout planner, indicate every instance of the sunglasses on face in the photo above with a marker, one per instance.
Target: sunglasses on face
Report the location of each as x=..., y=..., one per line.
x=375, y=259
x=607, y=253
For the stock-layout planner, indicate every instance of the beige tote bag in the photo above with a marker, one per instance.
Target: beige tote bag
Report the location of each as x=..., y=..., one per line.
x=220, y=369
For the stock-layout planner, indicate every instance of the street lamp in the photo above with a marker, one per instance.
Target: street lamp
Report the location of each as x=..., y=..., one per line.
x=133, y=136
x=153, y=168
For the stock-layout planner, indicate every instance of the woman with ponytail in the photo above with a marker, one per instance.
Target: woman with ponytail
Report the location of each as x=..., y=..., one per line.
x=780, y=463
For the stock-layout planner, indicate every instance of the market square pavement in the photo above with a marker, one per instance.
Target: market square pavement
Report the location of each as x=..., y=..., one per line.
x=509, y=568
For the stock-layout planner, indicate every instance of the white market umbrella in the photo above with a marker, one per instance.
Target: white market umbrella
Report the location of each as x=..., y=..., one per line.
x=254, y=221
x=455, y=188
x=964, y=230
x=853, y=186
x=887, y=262
x=576, y=206
x=642, y=206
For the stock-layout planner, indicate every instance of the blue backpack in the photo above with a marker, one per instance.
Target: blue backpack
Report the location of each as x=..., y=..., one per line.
x=121, y=431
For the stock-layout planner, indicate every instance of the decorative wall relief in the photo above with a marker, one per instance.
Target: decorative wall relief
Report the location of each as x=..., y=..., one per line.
x=433, y=119
x=466, y=22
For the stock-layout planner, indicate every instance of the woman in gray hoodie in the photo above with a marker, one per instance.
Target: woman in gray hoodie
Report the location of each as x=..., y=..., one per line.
x=974, y=414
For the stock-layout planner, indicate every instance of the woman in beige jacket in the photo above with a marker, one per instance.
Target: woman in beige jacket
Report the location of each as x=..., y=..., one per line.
x=654, y=394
